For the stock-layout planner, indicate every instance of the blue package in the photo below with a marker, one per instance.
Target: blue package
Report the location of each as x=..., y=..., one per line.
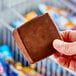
x=69, y=16
x=5, y=52
x=11, y=71
x=3, y=71
x=8, y=69
x=17, y=23
x=14, y=72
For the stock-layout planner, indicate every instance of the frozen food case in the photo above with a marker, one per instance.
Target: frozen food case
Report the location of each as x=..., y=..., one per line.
x=15, y=10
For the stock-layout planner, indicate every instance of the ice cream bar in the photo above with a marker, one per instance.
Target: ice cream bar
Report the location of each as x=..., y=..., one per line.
x=35, y=37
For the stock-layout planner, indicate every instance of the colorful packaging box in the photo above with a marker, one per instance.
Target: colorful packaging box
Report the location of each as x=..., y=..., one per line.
x=68, y=15
x=18, y=66
x=5, y=54
x=30, y=71
x=17, y=23
x=14, y=72
x=30, y=15
x=3, y=71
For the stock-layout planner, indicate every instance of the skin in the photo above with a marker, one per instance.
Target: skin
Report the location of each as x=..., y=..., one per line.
x=66, y=55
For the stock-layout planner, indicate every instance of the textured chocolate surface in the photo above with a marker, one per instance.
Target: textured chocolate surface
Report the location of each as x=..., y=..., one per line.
x=35, y=37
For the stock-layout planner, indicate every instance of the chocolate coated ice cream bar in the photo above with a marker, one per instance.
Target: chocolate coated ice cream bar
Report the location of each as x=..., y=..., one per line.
x=35, y=37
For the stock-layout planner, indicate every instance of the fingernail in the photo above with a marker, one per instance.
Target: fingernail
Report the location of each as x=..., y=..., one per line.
x=61, y=61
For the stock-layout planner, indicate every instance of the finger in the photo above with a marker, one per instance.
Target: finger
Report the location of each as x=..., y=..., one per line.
x=65, y=47
x=68, y=36
x=65, y=35
x=56, y=55
x=63, y=61
x=75, y=66
x=73, y=57
x=72, y=65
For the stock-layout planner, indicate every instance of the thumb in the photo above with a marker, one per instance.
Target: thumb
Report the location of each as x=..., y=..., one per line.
x=65, y=47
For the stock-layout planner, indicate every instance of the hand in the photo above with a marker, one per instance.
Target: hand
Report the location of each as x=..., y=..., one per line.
x=66, y=55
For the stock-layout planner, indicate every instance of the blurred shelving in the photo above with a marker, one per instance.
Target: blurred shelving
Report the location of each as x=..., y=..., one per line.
x=11, y=10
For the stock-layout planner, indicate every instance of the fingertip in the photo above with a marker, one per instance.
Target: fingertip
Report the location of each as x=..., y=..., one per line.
x=63, y=61
x=56, y=44
x=72, y=65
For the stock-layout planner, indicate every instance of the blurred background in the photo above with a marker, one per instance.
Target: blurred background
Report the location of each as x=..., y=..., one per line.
x=14, y=13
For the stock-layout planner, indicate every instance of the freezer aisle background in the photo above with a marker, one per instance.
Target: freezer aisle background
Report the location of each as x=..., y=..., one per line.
x=11, y=10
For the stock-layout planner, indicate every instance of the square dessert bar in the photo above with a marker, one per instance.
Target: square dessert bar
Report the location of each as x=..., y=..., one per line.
x=35, y=37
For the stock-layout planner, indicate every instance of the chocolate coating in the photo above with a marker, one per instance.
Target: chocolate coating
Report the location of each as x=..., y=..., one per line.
x=35, y=37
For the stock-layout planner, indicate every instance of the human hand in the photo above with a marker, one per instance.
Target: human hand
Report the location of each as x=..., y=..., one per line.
x=66, y=55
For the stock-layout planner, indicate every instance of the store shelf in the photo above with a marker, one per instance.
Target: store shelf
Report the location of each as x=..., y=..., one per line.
x=69, y=5
x=10, y=3
x=9, y=15
x=6, y=38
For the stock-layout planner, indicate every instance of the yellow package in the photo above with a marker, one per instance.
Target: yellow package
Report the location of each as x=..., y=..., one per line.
x=30, y=15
